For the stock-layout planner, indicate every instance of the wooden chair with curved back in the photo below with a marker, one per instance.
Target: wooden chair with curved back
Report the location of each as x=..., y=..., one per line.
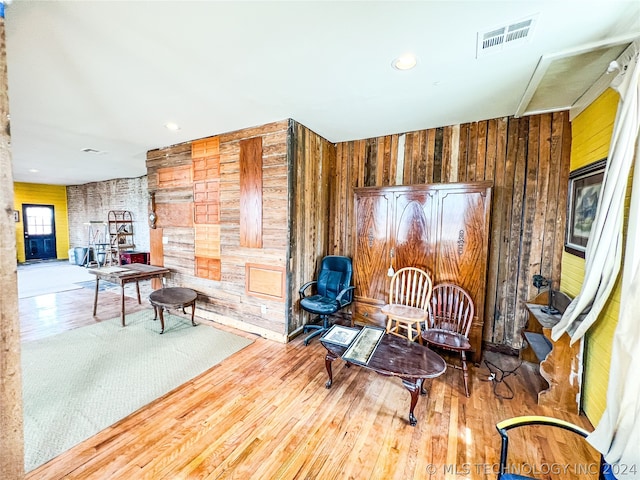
x=450, y=316
x=409, y=296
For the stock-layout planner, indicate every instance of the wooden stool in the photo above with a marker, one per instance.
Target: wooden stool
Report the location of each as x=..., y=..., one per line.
x=172, y=297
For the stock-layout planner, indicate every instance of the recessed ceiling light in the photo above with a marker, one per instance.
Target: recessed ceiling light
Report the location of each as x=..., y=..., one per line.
x=172, y=126
x=405, y=62
x=33, y=170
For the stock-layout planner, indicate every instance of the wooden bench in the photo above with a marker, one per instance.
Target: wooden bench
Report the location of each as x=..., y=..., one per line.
x=560, y=363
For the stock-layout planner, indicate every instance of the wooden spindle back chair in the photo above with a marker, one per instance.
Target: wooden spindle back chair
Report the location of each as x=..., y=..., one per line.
x=450, y=316
x=409, y=296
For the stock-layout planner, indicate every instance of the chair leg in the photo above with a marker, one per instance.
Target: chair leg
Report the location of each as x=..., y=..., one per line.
x=419, y=334
x=465, y=374
x=389, y=325
x=319, y=329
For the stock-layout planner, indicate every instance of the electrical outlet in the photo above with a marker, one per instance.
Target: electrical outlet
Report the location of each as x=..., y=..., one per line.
x=165, y=240
x=263, y=309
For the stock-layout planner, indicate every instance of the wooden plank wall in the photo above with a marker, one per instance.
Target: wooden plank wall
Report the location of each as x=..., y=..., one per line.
x=227, y=300
x=528, y=161
x=312, y=206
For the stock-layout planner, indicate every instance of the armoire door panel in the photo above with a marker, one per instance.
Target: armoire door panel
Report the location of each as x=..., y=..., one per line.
x=442, y=228
x=414, y=236
x=463, y=248
x=461, y=240
x=372, y=245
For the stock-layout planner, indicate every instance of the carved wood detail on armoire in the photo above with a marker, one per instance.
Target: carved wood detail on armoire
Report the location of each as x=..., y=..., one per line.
x=441, y=228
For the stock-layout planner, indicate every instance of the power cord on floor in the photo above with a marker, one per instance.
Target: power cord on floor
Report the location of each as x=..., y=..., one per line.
x=497, y=375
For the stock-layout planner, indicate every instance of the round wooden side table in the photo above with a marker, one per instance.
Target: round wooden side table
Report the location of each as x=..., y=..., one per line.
x=172, y=297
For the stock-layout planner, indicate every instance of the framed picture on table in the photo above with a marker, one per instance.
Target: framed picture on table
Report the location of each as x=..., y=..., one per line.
x=584, y=192
x=340, y=335
x=364, y=346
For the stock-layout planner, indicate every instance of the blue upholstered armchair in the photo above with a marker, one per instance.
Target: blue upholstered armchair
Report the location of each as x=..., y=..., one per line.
x=333, y=292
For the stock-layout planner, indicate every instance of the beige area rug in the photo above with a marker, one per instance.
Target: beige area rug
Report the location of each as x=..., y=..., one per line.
x=50, y=277
x=43, y=278
x=82, y=381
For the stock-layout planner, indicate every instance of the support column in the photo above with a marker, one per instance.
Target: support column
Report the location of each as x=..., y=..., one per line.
x=11, y=424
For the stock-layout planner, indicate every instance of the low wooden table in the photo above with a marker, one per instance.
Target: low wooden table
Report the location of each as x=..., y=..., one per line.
x=411, y=362
x=122, y=275
x=172, y=297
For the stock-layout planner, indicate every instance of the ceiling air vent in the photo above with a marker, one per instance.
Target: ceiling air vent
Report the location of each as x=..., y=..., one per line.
x=499, y=38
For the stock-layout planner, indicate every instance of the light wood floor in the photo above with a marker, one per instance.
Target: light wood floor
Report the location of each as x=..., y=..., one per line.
x=265, y=413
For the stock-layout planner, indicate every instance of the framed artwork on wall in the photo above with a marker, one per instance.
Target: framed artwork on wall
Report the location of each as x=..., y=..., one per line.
x=583, y=194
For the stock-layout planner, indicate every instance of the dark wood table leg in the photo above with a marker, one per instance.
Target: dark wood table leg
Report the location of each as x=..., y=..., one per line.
x=193, y=311
x=414, y=389
x=122, y=302
x=138, y=291
x=95, y=297
x=161, y=320
x=327, y=363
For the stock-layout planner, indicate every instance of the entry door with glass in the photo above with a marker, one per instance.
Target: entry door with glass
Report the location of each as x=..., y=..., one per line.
x=39, y=232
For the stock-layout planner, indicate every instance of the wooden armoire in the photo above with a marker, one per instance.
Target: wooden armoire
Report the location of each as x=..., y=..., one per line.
x=441, y=228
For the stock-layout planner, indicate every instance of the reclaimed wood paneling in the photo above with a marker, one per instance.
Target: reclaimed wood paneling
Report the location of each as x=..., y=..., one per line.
x=527, y=159
x=206, y=197
x=265, y=281
x=158, y=159
x=314, y=173
x=207, y=241
x=208, y=149
x=189, y=247
x=251, y=192
x=206, y=168
x=209, y=268
x=156, y=254
x=208, y=212
x=308, y=206
x=205, y=156
x=174, y=176
x=174, y=214
x=496, y=239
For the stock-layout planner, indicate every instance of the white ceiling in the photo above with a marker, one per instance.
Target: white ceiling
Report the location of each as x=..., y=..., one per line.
x=108, y=75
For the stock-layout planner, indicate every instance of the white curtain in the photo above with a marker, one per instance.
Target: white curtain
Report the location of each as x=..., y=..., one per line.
x=617, y=435
x=604, y=248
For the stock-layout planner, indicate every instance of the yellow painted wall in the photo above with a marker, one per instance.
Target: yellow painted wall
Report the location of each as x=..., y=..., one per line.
x=591, y=135
x=33, y=193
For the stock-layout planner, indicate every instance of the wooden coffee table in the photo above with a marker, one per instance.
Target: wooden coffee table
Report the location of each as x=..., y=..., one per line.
x=172, y=297
x=397, y=357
